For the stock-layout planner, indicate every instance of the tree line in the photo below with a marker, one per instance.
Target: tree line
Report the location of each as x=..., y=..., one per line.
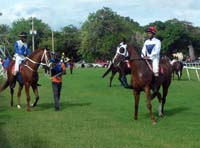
x=99, y=35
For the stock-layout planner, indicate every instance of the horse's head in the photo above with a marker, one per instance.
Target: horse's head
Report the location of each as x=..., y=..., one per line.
x=120, y=55
x=46, y=57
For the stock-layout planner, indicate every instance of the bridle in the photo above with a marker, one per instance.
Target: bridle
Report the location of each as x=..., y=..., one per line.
x=44, y=57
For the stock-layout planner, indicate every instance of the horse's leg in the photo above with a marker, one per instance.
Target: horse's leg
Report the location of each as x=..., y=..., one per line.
x=159, y=100
x=19, y=95
x=179, y=74
x=120, y=79
x=165, y=92
x=11, y=93
x=35, y=90
x=28, y=98
x=137, y=99
x=123, y=80
x=149, y=106
x=160, y=104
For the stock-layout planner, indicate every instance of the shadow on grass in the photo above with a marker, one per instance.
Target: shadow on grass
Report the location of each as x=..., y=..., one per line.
x=63, y=105
x=168, y=112
x=174, y=111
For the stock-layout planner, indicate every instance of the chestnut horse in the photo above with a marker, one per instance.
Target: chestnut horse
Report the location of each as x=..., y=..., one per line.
x=142, y=79
x=29, y=75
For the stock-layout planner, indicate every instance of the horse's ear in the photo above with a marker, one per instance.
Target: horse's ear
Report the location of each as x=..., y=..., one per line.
x=46, y=48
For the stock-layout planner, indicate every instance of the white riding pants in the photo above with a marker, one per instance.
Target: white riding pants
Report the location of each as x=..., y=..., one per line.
x=18, y=61
x=155, y=64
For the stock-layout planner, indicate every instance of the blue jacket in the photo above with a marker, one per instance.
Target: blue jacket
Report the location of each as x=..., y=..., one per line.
x=21, y=48
x=57, y=68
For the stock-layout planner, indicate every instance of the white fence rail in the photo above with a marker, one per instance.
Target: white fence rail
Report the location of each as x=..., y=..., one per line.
x=192, y=66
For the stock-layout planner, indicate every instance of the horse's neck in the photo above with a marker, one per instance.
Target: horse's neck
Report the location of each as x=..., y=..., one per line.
x=138, y=64
x=34, y=61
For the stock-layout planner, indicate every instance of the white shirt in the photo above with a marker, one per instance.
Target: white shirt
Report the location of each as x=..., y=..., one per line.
x=151, y=48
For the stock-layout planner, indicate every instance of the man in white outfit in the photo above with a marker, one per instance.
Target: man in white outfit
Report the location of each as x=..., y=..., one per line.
x=21, y=50
x=151, y=50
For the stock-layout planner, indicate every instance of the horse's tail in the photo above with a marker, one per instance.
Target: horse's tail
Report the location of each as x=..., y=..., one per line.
x=107, y=71
x=4, y=86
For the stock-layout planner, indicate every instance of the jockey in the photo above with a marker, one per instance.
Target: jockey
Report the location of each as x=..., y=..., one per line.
x=151, y=50
x=21, y=50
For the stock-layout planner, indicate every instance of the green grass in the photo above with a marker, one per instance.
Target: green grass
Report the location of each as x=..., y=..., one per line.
x=95, y=116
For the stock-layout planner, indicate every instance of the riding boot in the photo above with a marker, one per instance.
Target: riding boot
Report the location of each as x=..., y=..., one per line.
x=13, y=81
x=156, y=84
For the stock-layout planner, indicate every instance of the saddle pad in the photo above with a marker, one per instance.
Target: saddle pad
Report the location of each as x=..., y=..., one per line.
x=13, y=68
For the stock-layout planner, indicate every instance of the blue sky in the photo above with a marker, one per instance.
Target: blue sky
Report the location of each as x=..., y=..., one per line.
x=60, y=13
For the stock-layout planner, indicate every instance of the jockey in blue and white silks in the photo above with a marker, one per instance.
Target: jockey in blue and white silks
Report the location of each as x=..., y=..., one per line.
x=21, y=50
x=151, y=50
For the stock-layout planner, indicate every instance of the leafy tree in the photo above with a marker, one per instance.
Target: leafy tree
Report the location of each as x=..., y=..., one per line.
x=173, y=35
x=4, y=39
x=43, y=31
x=69, y=41
x=102, y=32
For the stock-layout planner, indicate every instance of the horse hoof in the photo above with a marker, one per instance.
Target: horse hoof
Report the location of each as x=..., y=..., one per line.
x=154, y=122
x=18, y=106
x=32, y=105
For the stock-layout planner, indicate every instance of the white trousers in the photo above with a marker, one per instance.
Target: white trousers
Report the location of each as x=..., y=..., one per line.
x=18, y=61
x=155, y=64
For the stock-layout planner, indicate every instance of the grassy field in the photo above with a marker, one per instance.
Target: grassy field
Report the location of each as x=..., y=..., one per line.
x=95, y=116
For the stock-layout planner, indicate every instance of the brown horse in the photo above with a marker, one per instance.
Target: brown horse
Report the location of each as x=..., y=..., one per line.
x=122, y=69
x=177, y=68
x=142, y=80
x=29, y=75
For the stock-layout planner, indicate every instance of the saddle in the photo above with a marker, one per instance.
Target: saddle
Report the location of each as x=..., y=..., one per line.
x=13, y=68
x=149, y=63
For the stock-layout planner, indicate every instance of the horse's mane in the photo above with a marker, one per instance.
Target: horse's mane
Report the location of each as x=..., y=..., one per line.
x=35, y=52
x=133, y=48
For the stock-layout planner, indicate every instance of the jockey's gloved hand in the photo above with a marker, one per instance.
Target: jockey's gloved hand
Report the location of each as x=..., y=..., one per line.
x=146, y=58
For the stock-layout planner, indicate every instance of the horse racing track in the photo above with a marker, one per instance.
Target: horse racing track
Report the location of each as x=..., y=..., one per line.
x=93, y=115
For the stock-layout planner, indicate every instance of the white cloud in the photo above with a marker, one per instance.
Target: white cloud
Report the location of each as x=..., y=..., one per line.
x=63, y=12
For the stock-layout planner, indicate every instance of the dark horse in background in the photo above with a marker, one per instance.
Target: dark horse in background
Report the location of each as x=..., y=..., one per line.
x=177, y=68
x=142, y=79
x=28, y=74
x=122, y=68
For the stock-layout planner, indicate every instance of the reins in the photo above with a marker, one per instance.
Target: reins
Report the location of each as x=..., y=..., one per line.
x=34, y=62
x=146, y=61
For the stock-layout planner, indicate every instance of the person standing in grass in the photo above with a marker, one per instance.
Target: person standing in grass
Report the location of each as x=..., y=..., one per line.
x=58, y=69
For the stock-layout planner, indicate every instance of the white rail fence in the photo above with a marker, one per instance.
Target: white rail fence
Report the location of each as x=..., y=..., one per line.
x=192, y=66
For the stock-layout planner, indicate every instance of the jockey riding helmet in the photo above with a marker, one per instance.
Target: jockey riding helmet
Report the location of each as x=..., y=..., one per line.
x=151, y=29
